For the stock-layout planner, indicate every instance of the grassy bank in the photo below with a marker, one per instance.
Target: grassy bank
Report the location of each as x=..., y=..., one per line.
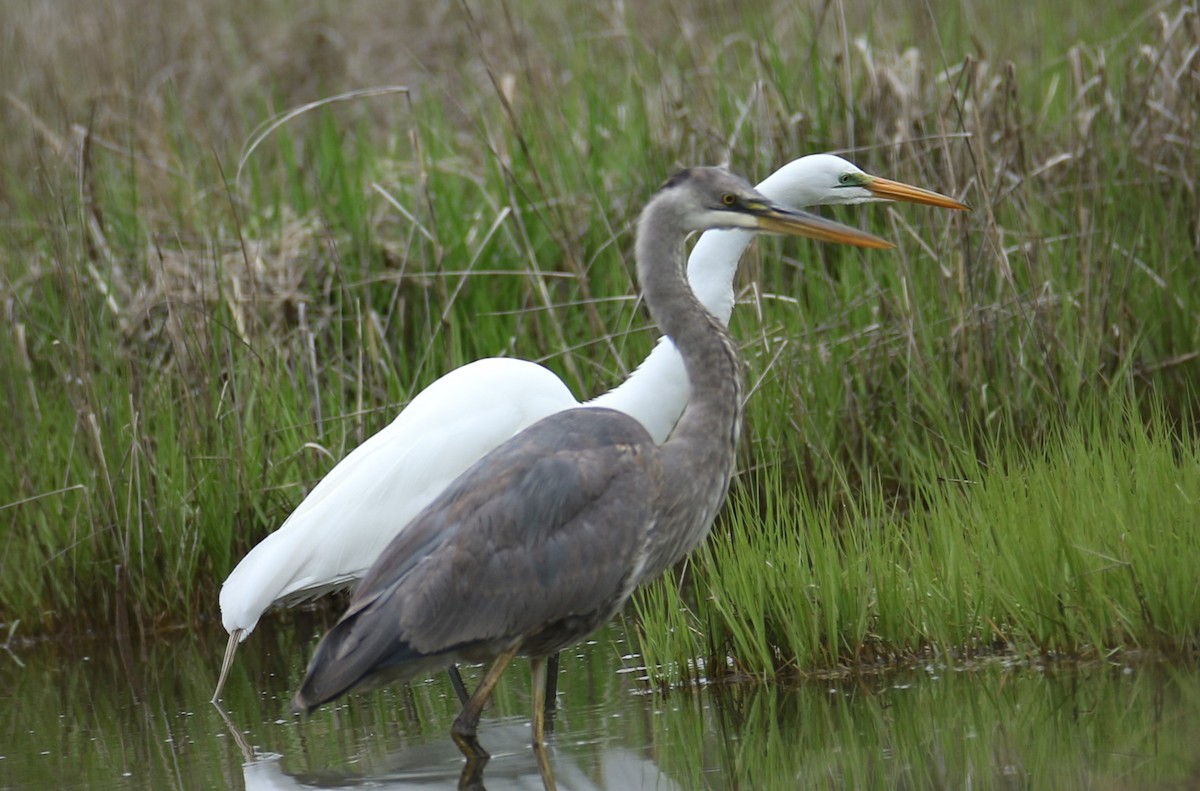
x=194, y=334
x=1075, y=548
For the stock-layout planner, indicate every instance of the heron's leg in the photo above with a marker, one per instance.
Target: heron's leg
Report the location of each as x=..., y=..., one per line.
x=456, y=681
x=471, y=778
x=537, y=669
x=466, y=723
x=543, y=760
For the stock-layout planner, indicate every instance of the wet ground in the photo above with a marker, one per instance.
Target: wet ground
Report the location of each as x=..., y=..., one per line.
x=98, y=714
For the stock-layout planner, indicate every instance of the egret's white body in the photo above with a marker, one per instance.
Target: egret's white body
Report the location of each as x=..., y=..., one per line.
x=337, y=532
x=339, y=529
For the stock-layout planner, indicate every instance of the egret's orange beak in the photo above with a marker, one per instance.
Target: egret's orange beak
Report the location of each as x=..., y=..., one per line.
x=897, y=191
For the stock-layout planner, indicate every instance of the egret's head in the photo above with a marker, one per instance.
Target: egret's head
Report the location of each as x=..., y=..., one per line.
x=826, y=179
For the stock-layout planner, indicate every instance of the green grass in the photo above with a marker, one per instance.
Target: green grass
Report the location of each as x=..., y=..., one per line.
x=1075, y=548
x=185, y=354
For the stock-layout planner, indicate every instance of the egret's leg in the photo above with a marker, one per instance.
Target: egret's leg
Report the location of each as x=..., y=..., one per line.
x=456, y=681
x=467, y=722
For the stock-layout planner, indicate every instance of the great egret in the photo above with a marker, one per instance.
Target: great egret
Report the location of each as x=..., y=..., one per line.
x=339, y=529
x=543, y=540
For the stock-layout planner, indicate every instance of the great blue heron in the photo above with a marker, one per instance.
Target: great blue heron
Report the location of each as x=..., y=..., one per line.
x=544, y=539
x=339, y=529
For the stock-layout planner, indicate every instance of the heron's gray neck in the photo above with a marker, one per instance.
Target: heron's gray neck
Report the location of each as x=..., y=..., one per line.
x=703, y=342
x=698, y=457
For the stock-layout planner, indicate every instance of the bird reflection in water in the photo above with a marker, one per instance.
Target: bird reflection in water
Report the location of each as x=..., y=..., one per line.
x=436, y=763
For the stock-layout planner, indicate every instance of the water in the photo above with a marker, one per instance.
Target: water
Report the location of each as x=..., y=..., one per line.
x=95, y=714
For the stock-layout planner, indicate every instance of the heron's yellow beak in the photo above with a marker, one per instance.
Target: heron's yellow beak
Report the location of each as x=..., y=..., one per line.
x=895, y=190
x=777, y=219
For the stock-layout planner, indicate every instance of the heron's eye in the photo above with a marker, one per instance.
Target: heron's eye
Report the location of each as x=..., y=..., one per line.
x=729, y=199
x=846, y=178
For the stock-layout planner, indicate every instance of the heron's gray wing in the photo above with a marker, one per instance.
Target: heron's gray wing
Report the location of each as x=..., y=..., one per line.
x=549, y=526
x=562, y=540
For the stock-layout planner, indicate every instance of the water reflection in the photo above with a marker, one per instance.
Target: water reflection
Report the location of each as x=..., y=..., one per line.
x=97, y=715
x=437, y=763
x=440, y=765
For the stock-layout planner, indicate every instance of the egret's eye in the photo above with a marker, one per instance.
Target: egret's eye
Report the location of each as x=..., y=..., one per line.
x=846, y=178
x=729, y=199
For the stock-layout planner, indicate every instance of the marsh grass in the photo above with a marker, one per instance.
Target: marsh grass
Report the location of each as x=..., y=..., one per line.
x=192, y=341
x=1072, y=548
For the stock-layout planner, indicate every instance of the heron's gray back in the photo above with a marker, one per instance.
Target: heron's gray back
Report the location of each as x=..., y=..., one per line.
x=538, y=543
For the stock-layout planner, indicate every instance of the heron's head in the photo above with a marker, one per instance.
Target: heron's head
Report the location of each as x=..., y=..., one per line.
x=826, y=179
x=700, y=199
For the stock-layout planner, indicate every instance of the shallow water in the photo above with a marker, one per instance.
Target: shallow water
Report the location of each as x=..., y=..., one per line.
x=96, y=714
